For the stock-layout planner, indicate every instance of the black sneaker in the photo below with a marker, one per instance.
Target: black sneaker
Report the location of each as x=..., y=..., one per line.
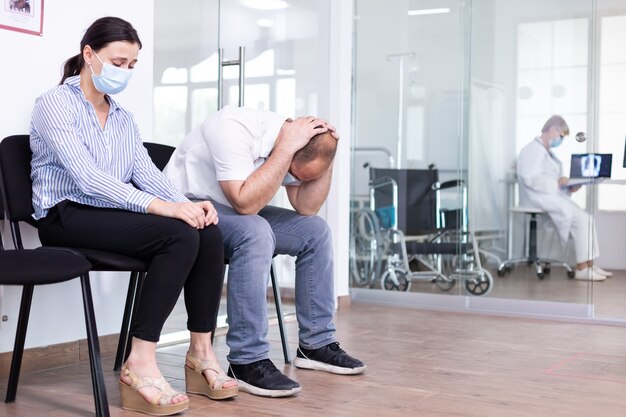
x=262, y=378
x=330, y=358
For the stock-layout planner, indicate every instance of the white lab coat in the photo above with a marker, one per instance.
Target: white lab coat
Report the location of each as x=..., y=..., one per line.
x=538, y=172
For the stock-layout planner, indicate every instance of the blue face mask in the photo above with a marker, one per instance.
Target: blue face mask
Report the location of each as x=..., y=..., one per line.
x=556, y=142
x=112, y=79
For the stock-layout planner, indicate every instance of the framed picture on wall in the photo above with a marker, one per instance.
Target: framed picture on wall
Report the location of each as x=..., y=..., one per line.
x=24, y=16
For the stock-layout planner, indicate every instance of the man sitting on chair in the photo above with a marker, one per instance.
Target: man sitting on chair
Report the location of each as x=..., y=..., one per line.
x=238, y=158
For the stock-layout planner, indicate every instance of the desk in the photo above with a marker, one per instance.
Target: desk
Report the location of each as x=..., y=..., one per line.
x=511, y=183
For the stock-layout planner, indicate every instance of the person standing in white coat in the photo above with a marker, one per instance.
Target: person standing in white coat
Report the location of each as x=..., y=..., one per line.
x=542, y=185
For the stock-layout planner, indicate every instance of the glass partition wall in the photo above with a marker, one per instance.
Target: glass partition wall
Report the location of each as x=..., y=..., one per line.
x=410, y=230
x=530, y=61
x=463, y=87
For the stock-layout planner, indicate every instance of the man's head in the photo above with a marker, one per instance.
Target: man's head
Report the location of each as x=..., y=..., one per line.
x=315, y=158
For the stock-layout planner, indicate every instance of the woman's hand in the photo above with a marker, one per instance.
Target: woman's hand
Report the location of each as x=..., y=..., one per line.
x=198, y=214
x=210, y=213
x=574, y=188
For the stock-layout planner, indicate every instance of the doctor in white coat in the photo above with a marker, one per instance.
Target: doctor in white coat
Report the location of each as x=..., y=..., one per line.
x=542, y=185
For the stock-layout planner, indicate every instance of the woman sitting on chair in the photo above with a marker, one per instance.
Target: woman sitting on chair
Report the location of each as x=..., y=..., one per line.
x=541, y=185
x=95, y=187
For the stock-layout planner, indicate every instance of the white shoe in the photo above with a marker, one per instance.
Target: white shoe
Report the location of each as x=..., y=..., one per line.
x=601, y=271
x=588, y=274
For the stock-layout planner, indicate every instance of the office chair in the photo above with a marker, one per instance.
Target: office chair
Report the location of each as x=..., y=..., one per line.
x=15, y=157
x=42, y=266
x=161, y=155
x=542, y=265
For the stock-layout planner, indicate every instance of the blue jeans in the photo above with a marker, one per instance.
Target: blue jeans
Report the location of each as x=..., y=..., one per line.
x=250, y=242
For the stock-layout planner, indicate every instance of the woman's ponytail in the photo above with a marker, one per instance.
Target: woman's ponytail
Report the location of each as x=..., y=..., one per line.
x=72, y=67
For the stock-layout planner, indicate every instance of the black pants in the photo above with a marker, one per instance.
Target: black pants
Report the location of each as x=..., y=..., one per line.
x=178, y=254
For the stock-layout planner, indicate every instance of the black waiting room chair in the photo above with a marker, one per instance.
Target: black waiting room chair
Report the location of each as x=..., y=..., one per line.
x=15, y=157
x=31, y=267
x=161, y=155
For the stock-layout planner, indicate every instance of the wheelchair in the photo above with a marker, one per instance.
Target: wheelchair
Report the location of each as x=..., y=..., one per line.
x=406, y=236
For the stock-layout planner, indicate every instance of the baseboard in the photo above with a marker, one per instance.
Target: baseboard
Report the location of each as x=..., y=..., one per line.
x=59, y=355
x=289, y=295
x=286, y=294
x=344, y=302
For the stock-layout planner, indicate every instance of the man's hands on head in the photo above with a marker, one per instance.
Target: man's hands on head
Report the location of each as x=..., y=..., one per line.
x=324, y=123
x=256, y=191
x=295, y=134
x=198, y=214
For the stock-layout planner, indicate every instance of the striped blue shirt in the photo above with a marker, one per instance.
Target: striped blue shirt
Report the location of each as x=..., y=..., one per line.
x=75, y=159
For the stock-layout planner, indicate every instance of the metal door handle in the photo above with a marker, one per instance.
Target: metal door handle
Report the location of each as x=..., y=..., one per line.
x=220, y=75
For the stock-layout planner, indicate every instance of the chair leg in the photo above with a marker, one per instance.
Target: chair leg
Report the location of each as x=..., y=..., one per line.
x=129, y=308
x=129, y=339
x=532, y=239
x=20, y=337
x=279, y=313
x=97, y=375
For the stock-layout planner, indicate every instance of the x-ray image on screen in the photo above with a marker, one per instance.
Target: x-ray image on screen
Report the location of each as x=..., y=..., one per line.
x=590, y=165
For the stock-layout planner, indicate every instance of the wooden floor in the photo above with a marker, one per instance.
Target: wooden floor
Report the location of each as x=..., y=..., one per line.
x=420, y=364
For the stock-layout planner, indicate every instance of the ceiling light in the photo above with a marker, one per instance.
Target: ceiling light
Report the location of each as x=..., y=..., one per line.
x=265, y=4
x=420, y=12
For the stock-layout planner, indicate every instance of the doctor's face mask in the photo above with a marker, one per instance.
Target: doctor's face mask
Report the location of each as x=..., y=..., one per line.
x=557, y=141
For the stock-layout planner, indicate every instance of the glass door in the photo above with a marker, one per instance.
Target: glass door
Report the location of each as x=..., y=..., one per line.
x=284, y=47
x=531, y=61
x=201, y=50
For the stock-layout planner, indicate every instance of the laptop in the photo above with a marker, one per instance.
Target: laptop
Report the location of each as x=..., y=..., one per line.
x=590, y=168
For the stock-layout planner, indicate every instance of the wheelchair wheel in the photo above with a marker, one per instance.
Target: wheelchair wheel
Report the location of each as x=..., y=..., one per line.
x=481, y=284
x=366, y=248
x=395, y=280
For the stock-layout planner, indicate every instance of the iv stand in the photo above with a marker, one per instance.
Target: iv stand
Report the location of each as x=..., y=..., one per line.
x=401, y=57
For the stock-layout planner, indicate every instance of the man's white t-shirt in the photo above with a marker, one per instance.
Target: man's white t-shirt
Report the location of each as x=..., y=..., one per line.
x=229, y=145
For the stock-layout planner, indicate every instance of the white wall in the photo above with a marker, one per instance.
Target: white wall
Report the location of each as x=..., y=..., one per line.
x=340, y=103
x=36, y=64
